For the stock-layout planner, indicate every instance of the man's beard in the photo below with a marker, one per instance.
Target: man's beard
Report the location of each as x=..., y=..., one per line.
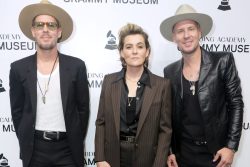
x=188, y=52
x=46, y=46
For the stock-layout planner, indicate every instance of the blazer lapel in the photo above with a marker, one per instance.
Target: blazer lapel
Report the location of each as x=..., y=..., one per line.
x=116, y=95
x=64, y=80
x=178, y=79
x=32, y=83
x=148, y=97
x=204, y=69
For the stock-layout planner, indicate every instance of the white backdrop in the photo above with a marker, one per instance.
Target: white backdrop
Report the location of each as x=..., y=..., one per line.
x=93, y=19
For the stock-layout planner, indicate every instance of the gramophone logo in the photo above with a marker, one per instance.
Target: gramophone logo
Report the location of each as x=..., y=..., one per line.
x=224, y=5
x=111, y=45
x=1, y=88
x=3, y=161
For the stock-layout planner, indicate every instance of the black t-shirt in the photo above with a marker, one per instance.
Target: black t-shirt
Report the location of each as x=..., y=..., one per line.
x=192, y=122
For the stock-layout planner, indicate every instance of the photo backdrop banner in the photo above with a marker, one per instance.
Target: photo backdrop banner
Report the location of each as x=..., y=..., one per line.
x=95, y=39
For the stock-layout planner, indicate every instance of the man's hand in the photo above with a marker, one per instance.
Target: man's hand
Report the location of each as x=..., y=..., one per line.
x=226, y=156
x=102, y=164
x=172, y=161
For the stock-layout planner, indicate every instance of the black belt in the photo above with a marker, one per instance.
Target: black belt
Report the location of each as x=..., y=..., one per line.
x=196, y=142
x=130, y=139
x=50, y=135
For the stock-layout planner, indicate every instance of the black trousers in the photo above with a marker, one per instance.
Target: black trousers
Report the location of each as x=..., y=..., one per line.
x=192, y=155
x=51, y=154
x=126, y=154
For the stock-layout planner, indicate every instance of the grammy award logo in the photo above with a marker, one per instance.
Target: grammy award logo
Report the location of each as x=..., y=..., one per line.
x=1, y=88
x=111, y=45
x=224, y=5
x=3, y=161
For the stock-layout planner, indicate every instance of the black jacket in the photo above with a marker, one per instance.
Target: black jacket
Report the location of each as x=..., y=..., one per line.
x=220, y=99
x=75, y=102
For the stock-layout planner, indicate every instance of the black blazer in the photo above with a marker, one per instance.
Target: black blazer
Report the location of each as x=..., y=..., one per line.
x=75, y=102
x=220, y=99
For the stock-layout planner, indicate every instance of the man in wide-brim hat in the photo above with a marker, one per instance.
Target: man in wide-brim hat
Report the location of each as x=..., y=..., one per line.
x=207, y=100
x=49, y=93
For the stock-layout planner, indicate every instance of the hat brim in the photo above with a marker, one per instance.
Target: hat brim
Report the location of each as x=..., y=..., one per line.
x=29, y=12
x=204, y=21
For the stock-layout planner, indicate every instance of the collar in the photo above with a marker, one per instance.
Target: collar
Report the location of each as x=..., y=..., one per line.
x=145, y=79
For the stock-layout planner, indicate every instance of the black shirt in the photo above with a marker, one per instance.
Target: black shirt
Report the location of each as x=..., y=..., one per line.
x=129, y=115
x=192, y=123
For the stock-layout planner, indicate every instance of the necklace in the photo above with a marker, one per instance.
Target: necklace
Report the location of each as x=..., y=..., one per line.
x=130, y=99
x=46, y=85
x=134, y=81
x=192, y=73
x=131, y=79
x=192, y=86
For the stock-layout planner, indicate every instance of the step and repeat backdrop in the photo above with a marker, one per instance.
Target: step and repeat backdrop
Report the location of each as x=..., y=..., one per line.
x=95, y=39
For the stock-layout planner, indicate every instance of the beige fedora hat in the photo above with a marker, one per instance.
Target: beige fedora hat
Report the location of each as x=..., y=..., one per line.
x=29, y=12
x=185, y=12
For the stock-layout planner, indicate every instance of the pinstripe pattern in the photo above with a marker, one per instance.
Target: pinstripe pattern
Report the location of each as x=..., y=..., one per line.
x=154, y=126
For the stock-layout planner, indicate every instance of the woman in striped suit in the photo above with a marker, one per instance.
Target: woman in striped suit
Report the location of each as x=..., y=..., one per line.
x=133, y=125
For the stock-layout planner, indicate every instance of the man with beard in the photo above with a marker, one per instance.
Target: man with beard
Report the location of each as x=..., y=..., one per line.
x=49, y=93
x=206, y=94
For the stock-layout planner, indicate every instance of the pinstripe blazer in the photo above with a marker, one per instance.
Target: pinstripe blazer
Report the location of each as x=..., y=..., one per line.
x=154, y=127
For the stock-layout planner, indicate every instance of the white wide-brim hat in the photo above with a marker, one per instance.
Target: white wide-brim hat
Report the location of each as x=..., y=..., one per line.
x=185, y=12
x=29, y=12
